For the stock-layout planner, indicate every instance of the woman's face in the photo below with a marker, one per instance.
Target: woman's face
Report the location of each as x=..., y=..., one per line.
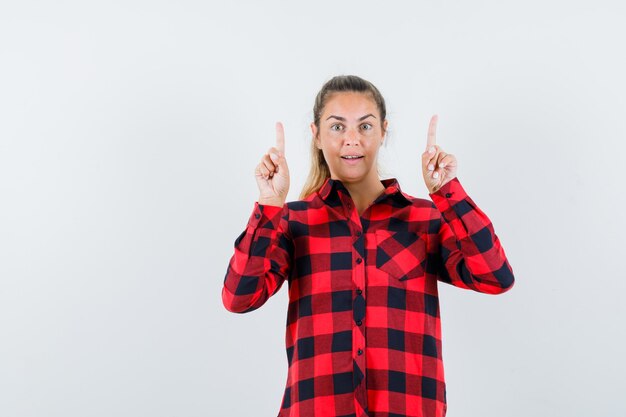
x=349, y=136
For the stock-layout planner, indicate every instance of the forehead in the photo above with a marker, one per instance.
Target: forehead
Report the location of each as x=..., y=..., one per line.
x=350, y=103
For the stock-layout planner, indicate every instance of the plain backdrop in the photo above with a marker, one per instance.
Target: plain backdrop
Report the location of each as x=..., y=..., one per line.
x=129, y=133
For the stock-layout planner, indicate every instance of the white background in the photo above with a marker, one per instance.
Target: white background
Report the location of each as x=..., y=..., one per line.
x=129, y=132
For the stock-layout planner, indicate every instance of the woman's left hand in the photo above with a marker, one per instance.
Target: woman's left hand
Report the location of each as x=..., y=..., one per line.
x=438, y=167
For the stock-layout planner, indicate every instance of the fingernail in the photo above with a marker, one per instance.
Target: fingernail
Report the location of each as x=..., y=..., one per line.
x=442, y=165
x=431, y=167
x=274, y=157
x=436, y=175
x=431, y=149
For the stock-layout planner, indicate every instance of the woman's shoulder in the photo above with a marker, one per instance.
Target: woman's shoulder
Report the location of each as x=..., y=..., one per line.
x=419, y=201
x=305, y=204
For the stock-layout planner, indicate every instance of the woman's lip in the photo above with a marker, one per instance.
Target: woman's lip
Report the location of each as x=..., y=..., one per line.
x=352, y=161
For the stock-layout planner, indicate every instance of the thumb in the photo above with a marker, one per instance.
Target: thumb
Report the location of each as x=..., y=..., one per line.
x=281, y=161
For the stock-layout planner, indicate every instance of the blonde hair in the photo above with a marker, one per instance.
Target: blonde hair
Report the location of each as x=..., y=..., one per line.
x=319, y=170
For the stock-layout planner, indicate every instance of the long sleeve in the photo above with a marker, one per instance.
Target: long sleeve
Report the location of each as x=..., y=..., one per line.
x=261, y=261
x=471, y=254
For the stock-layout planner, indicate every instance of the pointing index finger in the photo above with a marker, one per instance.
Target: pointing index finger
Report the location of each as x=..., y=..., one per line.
x=280, y=138
x=432, y=132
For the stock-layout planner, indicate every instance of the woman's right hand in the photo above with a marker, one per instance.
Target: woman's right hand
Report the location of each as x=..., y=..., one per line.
x=272, y=173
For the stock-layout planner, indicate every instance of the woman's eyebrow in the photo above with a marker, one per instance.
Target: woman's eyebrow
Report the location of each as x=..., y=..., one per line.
x=343, y=119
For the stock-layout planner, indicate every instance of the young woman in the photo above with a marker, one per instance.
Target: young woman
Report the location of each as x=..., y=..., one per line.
x=362, y=260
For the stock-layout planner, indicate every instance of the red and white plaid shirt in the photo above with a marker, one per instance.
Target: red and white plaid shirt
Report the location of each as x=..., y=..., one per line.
x=363, y=333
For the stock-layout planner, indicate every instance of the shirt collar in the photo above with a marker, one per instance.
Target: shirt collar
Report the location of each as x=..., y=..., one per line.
x=330, y=188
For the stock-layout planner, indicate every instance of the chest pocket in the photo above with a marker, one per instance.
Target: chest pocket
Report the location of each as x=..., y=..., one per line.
x=401, y=254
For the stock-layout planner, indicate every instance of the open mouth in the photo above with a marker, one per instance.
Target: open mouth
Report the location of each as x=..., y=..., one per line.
x=352, y=157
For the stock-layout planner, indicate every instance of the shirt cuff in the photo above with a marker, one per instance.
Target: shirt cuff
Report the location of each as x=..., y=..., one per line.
x=448, y=195
x=262, y=214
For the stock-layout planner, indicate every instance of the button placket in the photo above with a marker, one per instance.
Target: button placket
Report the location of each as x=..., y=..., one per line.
x=358, y=307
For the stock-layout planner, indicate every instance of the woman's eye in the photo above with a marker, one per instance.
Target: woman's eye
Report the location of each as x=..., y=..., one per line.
x=366, y=126
x=336, y=127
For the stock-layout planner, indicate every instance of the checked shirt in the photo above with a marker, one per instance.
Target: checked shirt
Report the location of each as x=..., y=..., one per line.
x=363, y=334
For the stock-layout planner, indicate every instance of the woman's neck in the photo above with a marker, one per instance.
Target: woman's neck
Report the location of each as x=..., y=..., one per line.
x=364, y=192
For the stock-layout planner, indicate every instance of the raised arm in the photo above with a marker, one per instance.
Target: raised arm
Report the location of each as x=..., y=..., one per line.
x=471, y=255
x=264, y=250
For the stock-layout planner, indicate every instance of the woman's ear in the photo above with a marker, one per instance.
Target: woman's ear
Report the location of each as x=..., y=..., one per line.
x=314, y=133
x=384, y=132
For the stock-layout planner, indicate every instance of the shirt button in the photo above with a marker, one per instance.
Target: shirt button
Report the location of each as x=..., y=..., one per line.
x=257, y=216
x=448, y=195
x=359, y=260
x=360, y=351
x=358, y=291
x=358, y=233
x=359, y=322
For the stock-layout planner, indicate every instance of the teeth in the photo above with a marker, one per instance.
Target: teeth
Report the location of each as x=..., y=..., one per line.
x=351, y=157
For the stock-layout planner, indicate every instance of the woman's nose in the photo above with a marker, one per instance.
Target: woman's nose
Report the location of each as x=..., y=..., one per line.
x=351, y=137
